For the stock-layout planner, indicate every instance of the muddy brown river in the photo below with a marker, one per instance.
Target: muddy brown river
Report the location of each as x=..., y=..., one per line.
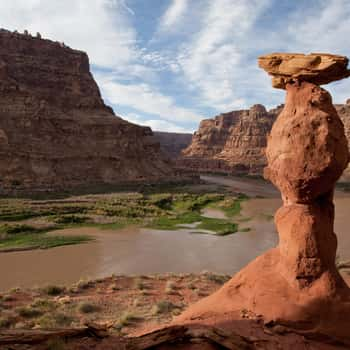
x=145, y=251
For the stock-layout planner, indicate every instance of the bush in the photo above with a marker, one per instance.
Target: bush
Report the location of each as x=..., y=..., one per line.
x=70, y=219
x=12, y=230
x=127, y=318
x=162, y=307
x=54, y=320
x=53, y=290
x=87, y=308
x=28, y=312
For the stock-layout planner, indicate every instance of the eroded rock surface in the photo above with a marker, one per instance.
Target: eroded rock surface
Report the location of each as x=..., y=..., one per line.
x=309, y=135
x=317, y=68
x=55, y=130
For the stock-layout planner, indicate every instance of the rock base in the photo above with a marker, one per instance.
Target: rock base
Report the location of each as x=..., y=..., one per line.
x=260, y=292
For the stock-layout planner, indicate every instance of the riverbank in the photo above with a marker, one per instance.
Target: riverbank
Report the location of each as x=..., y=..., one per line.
x=25, y=223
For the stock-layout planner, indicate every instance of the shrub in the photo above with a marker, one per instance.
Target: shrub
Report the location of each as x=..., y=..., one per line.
x=28, y=312
x=12, y=230
x=127, y=318
x=87, y=308
x=219, y=279
x=70, y=219
x=83, y=284
x=162, y=307
x=53, y=290
x=56, y=319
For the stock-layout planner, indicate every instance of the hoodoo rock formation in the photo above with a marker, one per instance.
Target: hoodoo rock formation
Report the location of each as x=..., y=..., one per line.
x=232, y=142
x=295, y=287
x=55, y=130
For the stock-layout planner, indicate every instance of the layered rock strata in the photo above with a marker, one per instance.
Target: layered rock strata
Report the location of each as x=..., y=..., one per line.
x=56, y=132
x=295, y=285
x=232, y=142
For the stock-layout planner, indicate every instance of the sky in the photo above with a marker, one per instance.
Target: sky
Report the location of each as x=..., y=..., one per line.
x=169, y=64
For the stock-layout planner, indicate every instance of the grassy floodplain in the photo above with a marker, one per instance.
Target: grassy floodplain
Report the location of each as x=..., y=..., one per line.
x=27, y=223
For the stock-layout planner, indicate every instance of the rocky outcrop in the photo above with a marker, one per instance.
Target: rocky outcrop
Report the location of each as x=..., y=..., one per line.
x=295, y=286
x=232, y=142
x=172, y=143
x=316, y=68
x=56, y=132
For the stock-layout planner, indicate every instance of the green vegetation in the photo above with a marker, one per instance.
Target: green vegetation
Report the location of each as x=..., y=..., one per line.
x=25, y=223
x=23, y=236
x=55, y=320
x=87, y=308
x=36, y=241
x=28, y=312
x=127, y=318
x=53, y=290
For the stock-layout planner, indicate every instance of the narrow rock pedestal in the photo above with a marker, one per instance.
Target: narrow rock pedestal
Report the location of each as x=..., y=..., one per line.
x=295, y=285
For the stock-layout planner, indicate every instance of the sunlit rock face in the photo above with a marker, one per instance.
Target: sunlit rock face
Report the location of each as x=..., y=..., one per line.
x=56, y=132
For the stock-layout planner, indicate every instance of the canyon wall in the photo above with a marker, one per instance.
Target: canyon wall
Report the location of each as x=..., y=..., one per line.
x=56, y=132
x=234, y=142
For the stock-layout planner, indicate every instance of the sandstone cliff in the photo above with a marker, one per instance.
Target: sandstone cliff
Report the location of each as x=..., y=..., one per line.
x=173, y=143
x=231, y=142
x=234, y=142
x=55, y=130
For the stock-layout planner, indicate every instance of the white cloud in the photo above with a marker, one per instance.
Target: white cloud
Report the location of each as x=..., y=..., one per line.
x=156, y=124
x=326, y=28
x=173, y=15
x=143, y=98
x=212, y=61
x=100, y=27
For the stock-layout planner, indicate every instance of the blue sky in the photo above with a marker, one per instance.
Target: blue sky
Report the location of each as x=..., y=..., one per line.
x=170, y=63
